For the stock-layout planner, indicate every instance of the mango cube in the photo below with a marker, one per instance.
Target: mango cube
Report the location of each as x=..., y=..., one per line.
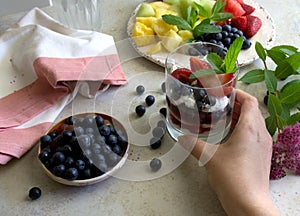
x=142, y=34
x=161, y=28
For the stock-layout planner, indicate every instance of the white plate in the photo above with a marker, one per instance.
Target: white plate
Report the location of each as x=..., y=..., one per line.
x=266, y=36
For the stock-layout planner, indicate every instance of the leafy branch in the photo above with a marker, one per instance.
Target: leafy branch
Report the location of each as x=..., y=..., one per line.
x=198, y=20
x=283, y=103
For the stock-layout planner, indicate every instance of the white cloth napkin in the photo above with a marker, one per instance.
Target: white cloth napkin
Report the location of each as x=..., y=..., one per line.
x=40, y=63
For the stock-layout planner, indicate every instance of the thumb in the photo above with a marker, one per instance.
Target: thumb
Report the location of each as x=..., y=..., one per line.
x=200, y=149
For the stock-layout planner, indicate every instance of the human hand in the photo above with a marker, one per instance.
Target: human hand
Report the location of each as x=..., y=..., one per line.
x=238, y=169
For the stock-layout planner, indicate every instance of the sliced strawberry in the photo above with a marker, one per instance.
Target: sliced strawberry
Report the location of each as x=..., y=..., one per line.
x=212, y=81
x=198, y=64
x=239, y=22
x=234, y=7
x=253, y=25
x=248, y=9
x=240, y=1
x=182, y=74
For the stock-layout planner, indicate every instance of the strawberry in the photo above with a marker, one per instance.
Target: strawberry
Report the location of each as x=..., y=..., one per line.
x=234, y=7
x=182, y=74
x=253, y=25
x=248, y=9
x=198, y=64
x=239, y=22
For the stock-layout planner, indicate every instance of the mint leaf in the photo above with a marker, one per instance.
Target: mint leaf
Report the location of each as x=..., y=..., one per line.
x=221, y=17
x=283, y=70
x=253, y=76
x=260, y=50
x=293, y=119
x=216, y=62
x=290, y=93
x=178, y=21
x=276, y=55
x=201, y=10
x=287, y=49
x=232, y=54
x=205, y=27
x=218, y=6
x=271, y=81
x=274, y=105
x=271, y=124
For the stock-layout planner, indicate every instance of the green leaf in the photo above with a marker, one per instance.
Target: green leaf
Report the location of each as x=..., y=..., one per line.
x=232, y=54
x=285, y=112
x=178, y=21
x=253, y=76
x=293, y=119
x=221, y=17
x=218, y=6
x=201, y=10
x=216, y=62
x=283, y=70
x=294, y=61
x=287, y=49
x=205, y=27
x=276, y=55
x=271, y=124
x=280, y=122
x=260, y=50
x=290, y=93
x=274, y=105
x=271, y=81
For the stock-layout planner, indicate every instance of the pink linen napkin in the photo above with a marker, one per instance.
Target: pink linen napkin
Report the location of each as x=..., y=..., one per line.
x=41, y=61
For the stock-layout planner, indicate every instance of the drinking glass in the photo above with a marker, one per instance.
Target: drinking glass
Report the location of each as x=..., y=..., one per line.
x=78, y=14
x=199, y=100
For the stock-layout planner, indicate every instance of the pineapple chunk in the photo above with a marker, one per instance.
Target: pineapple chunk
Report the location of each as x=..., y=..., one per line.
x=161, y=28
x=155, y=48
x=160, y=4
x=142, y=34
x=148, y=21
x=185, y=35
x=171, y=40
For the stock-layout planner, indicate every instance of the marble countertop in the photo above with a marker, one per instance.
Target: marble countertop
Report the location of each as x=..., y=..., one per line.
x=183, y=190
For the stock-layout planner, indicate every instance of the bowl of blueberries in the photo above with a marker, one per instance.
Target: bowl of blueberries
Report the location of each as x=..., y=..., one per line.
x=83, y=149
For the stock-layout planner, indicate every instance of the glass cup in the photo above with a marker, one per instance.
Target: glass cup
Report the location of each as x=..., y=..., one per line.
x=199, y=101
x=78, y=14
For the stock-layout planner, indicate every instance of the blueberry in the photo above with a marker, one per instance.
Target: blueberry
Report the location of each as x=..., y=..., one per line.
x=67, y=135
x=79, y=164
x=239, y=32
x=99, y=158
x=112, y=139
x=69, y=162
x=58, y=158
x=218, y=36
x=88, y=121
x=226, y=28
x=45, y=141
x=213, y=41
x=35, y=193
x=155, y=142
x=158, y=132
x=140, y=89
x=234, y=30
x=220, y=44
x=117, y=149
x=155, y=164
x=103, y=167
x=227, y=41
x=70, y=120
x=224, y=34
x=113, y=159
x=162, y=124
x=59, y=170
x=78, y=131
x=84, y=141
x=163, y=111
x=246, y=44
x=199, y=94
x=209, y=99
x=53, y=134
x=89, y=130
x=99, y=120
x=101, y=139
x=44, y=156
x=140, y=110
x=150, y=99
x=105, y=130
x=71, y=173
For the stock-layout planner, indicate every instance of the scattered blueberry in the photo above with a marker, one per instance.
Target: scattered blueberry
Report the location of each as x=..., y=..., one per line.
x=155, y=164
x=155, y=142
x=158, y=132
x=150, y=99
x=140, y=89
x=140, y=110
x=35, y=193
x=163, y=111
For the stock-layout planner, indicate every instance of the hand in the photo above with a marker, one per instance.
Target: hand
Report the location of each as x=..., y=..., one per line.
x=239, y=169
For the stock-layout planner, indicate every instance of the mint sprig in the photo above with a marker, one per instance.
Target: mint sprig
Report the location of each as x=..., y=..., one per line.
x=191, y=20
x=283, y=103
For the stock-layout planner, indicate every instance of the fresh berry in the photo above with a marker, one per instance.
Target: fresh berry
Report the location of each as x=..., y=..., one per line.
x=234, y=7
x=35, y=193
x=59, y=170
x=248, y=9
x=239, y=22
x=158, y=132
x=155, y=164
x=105, y=130
x=182, y=74
x=99, y=120
x=140, y=110
x=150, y=99
x=71, y=173
x=140, y=89
x=155, y=142
x=253, y=25
x=45, y=140
x=163, y=111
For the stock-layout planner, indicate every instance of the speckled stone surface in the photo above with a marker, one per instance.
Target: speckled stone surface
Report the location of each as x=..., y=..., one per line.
x=181, y=191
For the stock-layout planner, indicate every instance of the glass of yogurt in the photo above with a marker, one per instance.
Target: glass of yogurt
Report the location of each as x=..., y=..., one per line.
x=200, y=98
